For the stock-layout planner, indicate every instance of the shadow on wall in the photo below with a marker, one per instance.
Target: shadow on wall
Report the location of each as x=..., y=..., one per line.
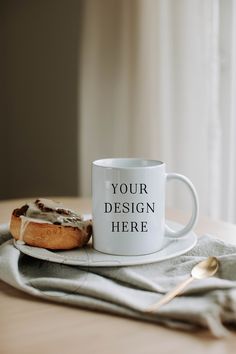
x=39, y=97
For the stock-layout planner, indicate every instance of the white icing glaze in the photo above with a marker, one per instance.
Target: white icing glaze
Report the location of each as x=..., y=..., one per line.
x=51, y=203
x=24, y=223
x=35, y=214
x=20, y=242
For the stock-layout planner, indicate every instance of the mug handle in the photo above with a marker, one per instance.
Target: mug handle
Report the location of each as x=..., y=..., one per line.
x=195, y=209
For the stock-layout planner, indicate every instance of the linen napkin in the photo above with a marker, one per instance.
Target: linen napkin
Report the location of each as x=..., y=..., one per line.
x=128, y=291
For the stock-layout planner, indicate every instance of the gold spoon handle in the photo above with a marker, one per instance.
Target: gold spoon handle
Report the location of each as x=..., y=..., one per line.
x=169, y=296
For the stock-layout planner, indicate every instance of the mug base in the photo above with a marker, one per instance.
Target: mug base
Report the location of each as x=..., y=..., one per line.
x=128, y=253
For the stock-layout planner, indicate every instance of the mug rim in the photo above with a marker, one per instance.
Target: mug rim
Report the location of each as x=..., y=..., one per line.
x=110, y=163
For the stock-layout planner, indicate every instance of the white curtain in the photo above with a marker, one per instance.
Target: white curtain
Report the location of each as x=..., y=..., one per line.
x=158, y=80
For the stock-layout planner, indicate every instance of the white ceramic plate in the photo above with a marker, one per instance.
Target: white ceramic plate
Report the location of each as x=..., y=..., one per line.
x=89, y=257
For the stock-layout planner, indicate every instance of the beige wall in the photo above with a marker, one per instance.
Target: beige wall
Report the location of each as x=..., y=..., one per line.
x=38, y=112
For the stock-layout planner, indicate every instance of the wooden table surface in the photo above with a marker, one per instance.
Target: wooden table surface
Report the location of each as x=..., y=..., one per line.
x=30, y=325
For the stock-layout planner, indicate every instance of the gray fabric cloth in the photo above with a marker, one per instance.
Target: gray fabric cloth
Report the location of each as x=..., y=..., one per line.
x=128, y=291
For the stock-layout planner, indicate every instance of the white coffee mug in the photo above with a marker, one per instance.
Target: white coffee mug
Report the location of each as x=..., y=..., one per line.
x=129, y=206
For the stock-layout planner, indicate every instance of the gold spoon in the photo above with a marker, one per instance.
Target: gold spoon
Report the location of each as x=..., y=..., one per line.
x=202, y=270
